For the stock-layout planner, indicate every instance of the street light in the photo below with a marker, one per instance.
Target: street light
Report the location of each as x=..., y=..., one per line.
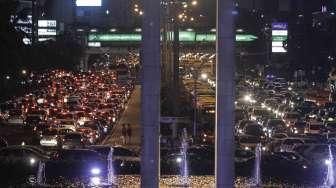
x=24, y=72
x=194, y=3
x=204, y=76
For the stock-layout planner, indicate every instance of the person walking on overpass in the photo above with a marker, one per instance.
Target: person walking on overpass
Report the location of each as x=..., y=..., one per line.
x=129, y=133
x=123, y=134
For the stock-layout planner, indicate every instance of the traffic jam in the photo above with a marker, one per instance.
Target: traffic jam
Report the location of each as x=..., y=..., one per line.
x=294, y=128
x=62, y=120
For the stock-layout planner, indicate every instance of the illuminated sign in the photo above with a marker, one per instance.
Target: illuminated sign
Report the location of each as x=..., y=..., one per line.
x=187, y=36
x=205, y=37
x=279, y=26
x=46, y=39
x=245, y=38
x=94, y=44
x=89, y=3
x=279, y=35
x=279, y=38
x=46, y=32
x=184, y=36
x=47, y=23
x=212, y=38
x=115, y=37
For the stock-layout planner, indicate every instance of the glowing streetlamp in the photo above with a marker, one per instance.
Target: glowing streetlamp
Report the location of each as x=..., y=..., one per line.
x=24, y=72
x=204, y=76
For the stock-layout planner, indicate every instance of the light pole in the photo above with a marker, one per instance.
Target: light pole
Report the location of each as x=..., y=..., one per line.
x=195, y=106
x=196, y=76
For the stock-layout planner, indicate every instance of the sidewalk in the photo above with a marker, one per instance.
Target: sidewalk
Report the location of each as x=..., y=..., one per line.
x=131, y=116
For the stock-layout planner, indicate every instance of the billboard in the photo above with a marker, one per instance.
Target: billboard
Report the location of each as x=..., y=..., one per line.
x=184, y=36
x=279, y=35
x=88, y=3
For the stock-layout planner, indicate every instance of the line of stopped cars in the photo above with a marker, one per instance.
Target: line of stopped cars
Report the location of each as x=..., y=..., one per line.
x=65, y=116
x=298, y=125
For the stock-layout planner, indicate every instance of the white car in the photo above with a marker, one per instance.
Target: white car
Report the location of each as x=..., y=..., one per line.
x=15, y=120
x=67, y=124
x=50, y=138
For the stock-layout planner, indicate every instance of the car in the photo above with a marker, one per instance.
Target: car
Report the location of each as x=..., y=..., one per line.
x=299, y=127
x=275, y=126
x=314, y=128
x=15, y=117
x=330, y=126
x=248, y=142
x=290, y=118
x=254, y=130
x=72, y=140
x=32, y=121
x=50, y=138
x=241, y=125
x=315, y=153
x=286, y=144
x=77, y=163
x=243, y=155
x=24, y=154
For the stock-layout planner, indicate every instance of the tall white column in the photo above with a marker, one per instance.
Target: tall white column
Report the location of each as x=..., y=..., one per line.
x=225, y=92
x=150, y=95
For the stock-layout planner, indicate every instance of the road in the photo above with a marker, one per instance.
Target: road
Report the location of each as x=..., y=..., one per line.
x=131, y=116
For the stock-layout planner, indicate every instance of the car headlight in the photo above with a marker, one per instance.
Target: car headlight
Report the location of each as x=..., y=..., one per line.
x=32, y=161
x=95, y=171
x=95, y=181
x=178, y=159
x=327, y=162
x=247, y=148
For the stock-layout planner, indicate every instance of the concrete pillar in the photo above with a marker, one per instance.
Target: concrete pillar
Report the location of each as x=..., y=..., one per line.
x=225, y=69
x=150, y=95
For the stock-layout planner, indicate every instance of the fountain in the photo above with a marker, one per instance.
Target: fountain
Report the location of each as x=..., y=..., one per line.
x=40, y=173
x=184, y=162
x=330, y=179
x=257, y=161
x=111, y=179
